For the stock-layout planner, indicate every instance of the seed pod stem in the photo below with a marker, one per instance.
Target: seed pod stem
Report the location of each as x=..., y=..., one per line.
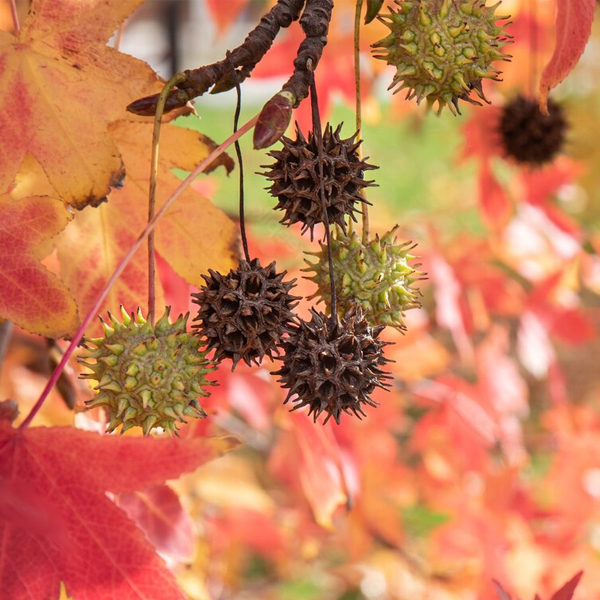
x=316, y=123
x=244, y=58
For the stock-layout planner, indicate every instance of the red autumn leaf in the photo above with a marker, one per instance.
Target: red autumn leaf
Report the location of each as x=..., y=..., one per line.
x=478, y=141
x=91, y=546
x=30, y=295
x=451, y=312
x=159, y=514
x=316, y=457
x=573, y=28
x=237, y=528
x=494, y=201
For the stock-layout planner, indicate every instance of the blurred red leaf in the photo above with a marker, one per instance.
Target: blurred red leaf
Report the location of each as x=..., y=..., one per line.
x=159, y=514
x=225, y=14
x=31, y=295
x=566, y=591
x=494, y=201
x=502, y=593
x=573, y=28
x=451, y=311
x=99, y=553
x=248, y=529
x=319, y=467
x=476, y=132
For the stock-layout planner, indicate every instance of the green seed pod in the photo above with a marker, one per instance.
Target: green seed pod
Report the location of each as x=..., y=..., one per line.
x=148, y=376
x=377, y=276
x=442, y=49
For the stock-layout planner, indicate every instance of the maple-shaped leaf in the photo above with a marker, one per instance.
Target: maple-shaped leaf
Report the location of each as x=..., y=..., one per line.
x=193, y=236
x=61, y=85
x=564, y=593
x=30, y=294
x=573, y=28
x=74, y=533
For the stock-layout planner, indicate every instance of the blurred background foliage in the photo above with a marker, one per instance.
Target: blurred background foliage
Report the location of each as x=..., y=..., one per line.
x=484, y=460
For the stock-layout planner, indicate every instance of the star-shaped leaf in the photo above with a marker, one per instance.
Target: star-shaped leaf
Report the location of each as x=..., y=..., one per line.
x=31, y=295
x=60, y=86
x=57, y=524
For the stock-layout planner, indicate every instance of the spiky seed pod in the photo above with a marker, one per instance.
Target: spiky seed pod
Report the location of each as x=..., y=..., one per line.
x=245, y=314
x=376, y=275
x=442, y=49
x=148, y=376
x=296, y=181
x=333, y=367
x=529, y=136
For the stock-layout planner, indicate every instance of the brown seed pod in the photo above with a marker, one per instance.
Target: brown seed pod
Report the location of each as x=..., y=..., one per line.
x=245, y=314
x=296, y=180
x=529, y=136
x=333, y=367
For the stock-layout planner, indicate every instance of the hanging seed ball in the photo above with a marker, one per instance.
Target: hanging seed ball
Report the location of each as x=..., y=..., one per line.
x=245, y=314
x=333, y=367
x=529, y=136
x=296, y=180
x=376, y=275
x=442, y=49
x=148, y=376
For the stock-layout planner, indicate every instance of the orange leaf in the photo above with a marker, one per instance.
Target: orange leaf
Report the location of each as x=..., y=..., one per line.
x=61, y=85
x=193, y=236
x=80, y=537
x=225, y=16
x=30, y=295
x=573, y=28
x=99, y=238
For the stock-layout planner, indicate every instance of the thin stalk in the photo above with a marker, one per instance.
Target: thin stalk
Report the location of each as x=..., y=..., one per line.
x=160, y=109
x=15, y=16
x=126, y=260
x=119, y=36
x=238, y=152
x=358, y=110
x=6, y=329
x=317, y=132
x=533, y=55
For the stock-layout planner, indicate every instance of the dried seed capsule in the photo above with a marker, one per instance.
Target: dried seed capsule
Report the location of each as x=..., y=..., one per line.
x=333, y=367
x=529, y=136
x=297, y=183
x=245, y=314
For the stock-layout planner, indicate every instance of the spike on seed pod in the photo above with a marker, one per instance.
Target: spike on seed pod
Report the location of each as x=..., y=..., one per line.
x=147, y=376
x=376, y=275
x=333, y=367
x=442, y=49
x=528, y=135
x=245, y=314
x=297, y=184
